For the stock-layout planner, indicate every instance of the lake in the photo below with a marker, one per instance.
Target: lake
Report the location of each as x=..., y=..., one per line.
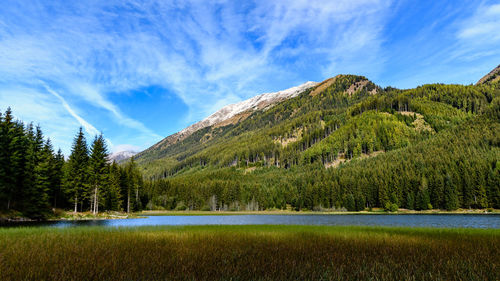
x=441, y=221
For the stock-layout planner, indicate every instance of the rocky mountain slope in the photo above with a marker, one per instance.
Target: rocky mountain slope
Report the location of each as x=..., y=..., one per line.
x=234, y=113
x=492, y=77
x=264, y=121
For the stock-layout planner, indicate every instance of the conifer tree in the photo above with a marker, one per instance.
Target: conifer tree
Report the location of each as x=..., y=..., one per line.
x=77, y=177
x=37, y=175
x=3, y=163
x=98, y=171
x=450, y=194
x=57, y=192
x=10, y=159
x=112, y=194
x=132, y=186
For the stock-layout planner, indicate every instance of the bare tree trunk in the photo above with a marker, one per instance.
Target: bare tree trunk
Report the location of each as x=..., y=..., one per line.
x=91, y=201
x=96, y=204
x=128, y=202
x=95, y=201
x=136, y=196
x=76, y=203
x=8, y=204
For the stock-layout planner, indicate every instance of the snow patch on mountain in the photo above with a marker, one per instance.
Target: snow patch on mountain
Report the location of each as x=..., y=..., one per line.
x=256, y=103
x=121, y=155
x=259, y=102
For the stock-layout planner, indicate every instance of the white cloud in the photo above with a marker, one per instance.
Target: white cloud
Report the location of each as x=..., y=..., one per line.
x=29, y=104
x=478, y=36
x=484, y=25
x=209, y=54
x=88, y=127
x=125, y=147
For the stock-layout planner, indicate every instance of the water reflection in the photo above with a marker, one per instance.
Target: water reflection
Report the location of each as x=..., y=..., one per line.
x=463, y=221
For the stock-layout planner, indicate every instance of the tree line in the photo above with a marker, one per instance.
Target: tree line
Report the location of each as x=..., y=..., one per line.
x=35, y=180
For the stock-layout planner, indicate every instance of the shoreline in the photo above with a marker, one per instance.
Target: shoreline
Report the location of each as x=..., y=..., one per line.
x=82, y=216
x=70, y=216
x=289, y=212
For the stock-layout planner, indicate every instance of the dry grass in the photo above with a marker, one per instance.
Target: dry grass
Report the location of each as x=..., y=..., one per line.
x=249, y=253
x=323, y=85
x=419, y=123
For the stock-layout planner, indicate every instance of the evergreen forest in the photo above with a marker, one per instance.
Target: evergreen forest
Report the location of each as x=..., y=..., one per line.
x=35, y=180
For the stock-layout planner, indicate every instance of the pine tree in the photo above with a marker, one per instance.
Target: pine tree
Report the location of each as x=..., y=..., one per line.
x=10, y=158
x=349, y=202
x=76, y=176
x=3, y=164
x=450, y=194
x=423, y=198
x=132, y=186
x=57, y=193
x=112, y=195
x=98, y=171
x=37, y=175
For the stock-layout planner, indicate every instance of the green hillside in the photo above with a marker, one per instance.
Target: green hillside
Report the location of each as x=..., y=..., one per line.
x=346, y=143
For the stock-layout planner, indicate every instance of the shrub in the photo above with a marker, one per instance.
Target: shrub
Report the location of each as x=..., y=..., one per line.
x=181, y=206
x=391, y=207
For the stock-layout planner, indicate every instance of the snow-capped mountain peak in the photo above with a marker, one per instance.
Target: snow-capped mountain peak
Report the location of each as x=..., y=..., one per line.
x=256, y=103
x=234, y=113
x=121, y=155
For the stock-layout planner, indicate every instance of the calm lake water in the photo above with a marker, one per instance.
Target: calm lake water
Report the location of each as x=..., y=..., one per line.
x=463, y=221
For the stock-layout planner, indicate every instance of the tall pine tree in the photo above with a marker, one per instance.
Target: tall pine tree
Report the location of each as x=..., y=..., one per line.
x=98, y=171
x=77, y=177
x=57, y=198
x=112, y=194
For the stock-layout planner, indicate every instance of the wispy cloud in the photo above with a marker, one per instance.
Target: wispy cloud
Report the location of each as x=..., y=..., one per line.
x=208, y=53
x=88, y=127
x=478, y=35
x=30, y=104
x=484, y=24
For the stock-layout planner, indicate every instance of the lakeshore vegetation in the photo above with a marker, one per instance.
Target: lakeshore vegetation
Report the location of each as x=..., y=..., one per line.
x=249, y=253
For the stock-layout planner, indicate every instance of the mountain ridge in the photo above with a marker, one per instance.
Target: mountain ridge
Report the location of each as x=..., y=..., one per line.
x=241, y=109
x=492, y=77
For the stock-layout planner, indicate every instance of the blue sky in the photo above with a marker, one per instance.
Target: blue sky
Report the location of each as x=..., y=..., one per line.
x=141, y=70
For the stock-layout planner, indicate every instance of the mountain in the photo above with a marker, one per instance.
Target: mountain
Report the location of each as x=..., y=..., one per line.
x=121, y=156
x=492, y=77
x=343, y=143
x=210, y=133
x=234, y=113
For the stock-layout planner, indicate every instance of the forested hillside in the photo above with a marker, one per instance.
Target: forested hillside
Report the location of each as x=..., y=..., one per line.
x=344, y=144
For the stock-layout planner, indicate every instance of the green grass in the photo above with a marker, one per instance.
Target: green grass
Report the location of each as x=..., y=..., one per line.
x=249, y=253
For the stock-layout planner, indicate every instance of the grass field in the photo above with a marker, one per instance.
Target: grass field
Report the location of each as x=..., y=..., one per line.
x=249, y=253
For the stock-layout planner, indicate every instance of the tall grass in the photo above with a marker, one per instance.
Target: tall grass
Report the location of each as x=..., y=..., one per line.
x=249, y=253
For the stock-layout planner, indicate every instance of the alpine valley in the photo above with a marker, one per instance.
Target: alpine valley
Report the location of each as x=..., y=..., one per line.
x=344, y=143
